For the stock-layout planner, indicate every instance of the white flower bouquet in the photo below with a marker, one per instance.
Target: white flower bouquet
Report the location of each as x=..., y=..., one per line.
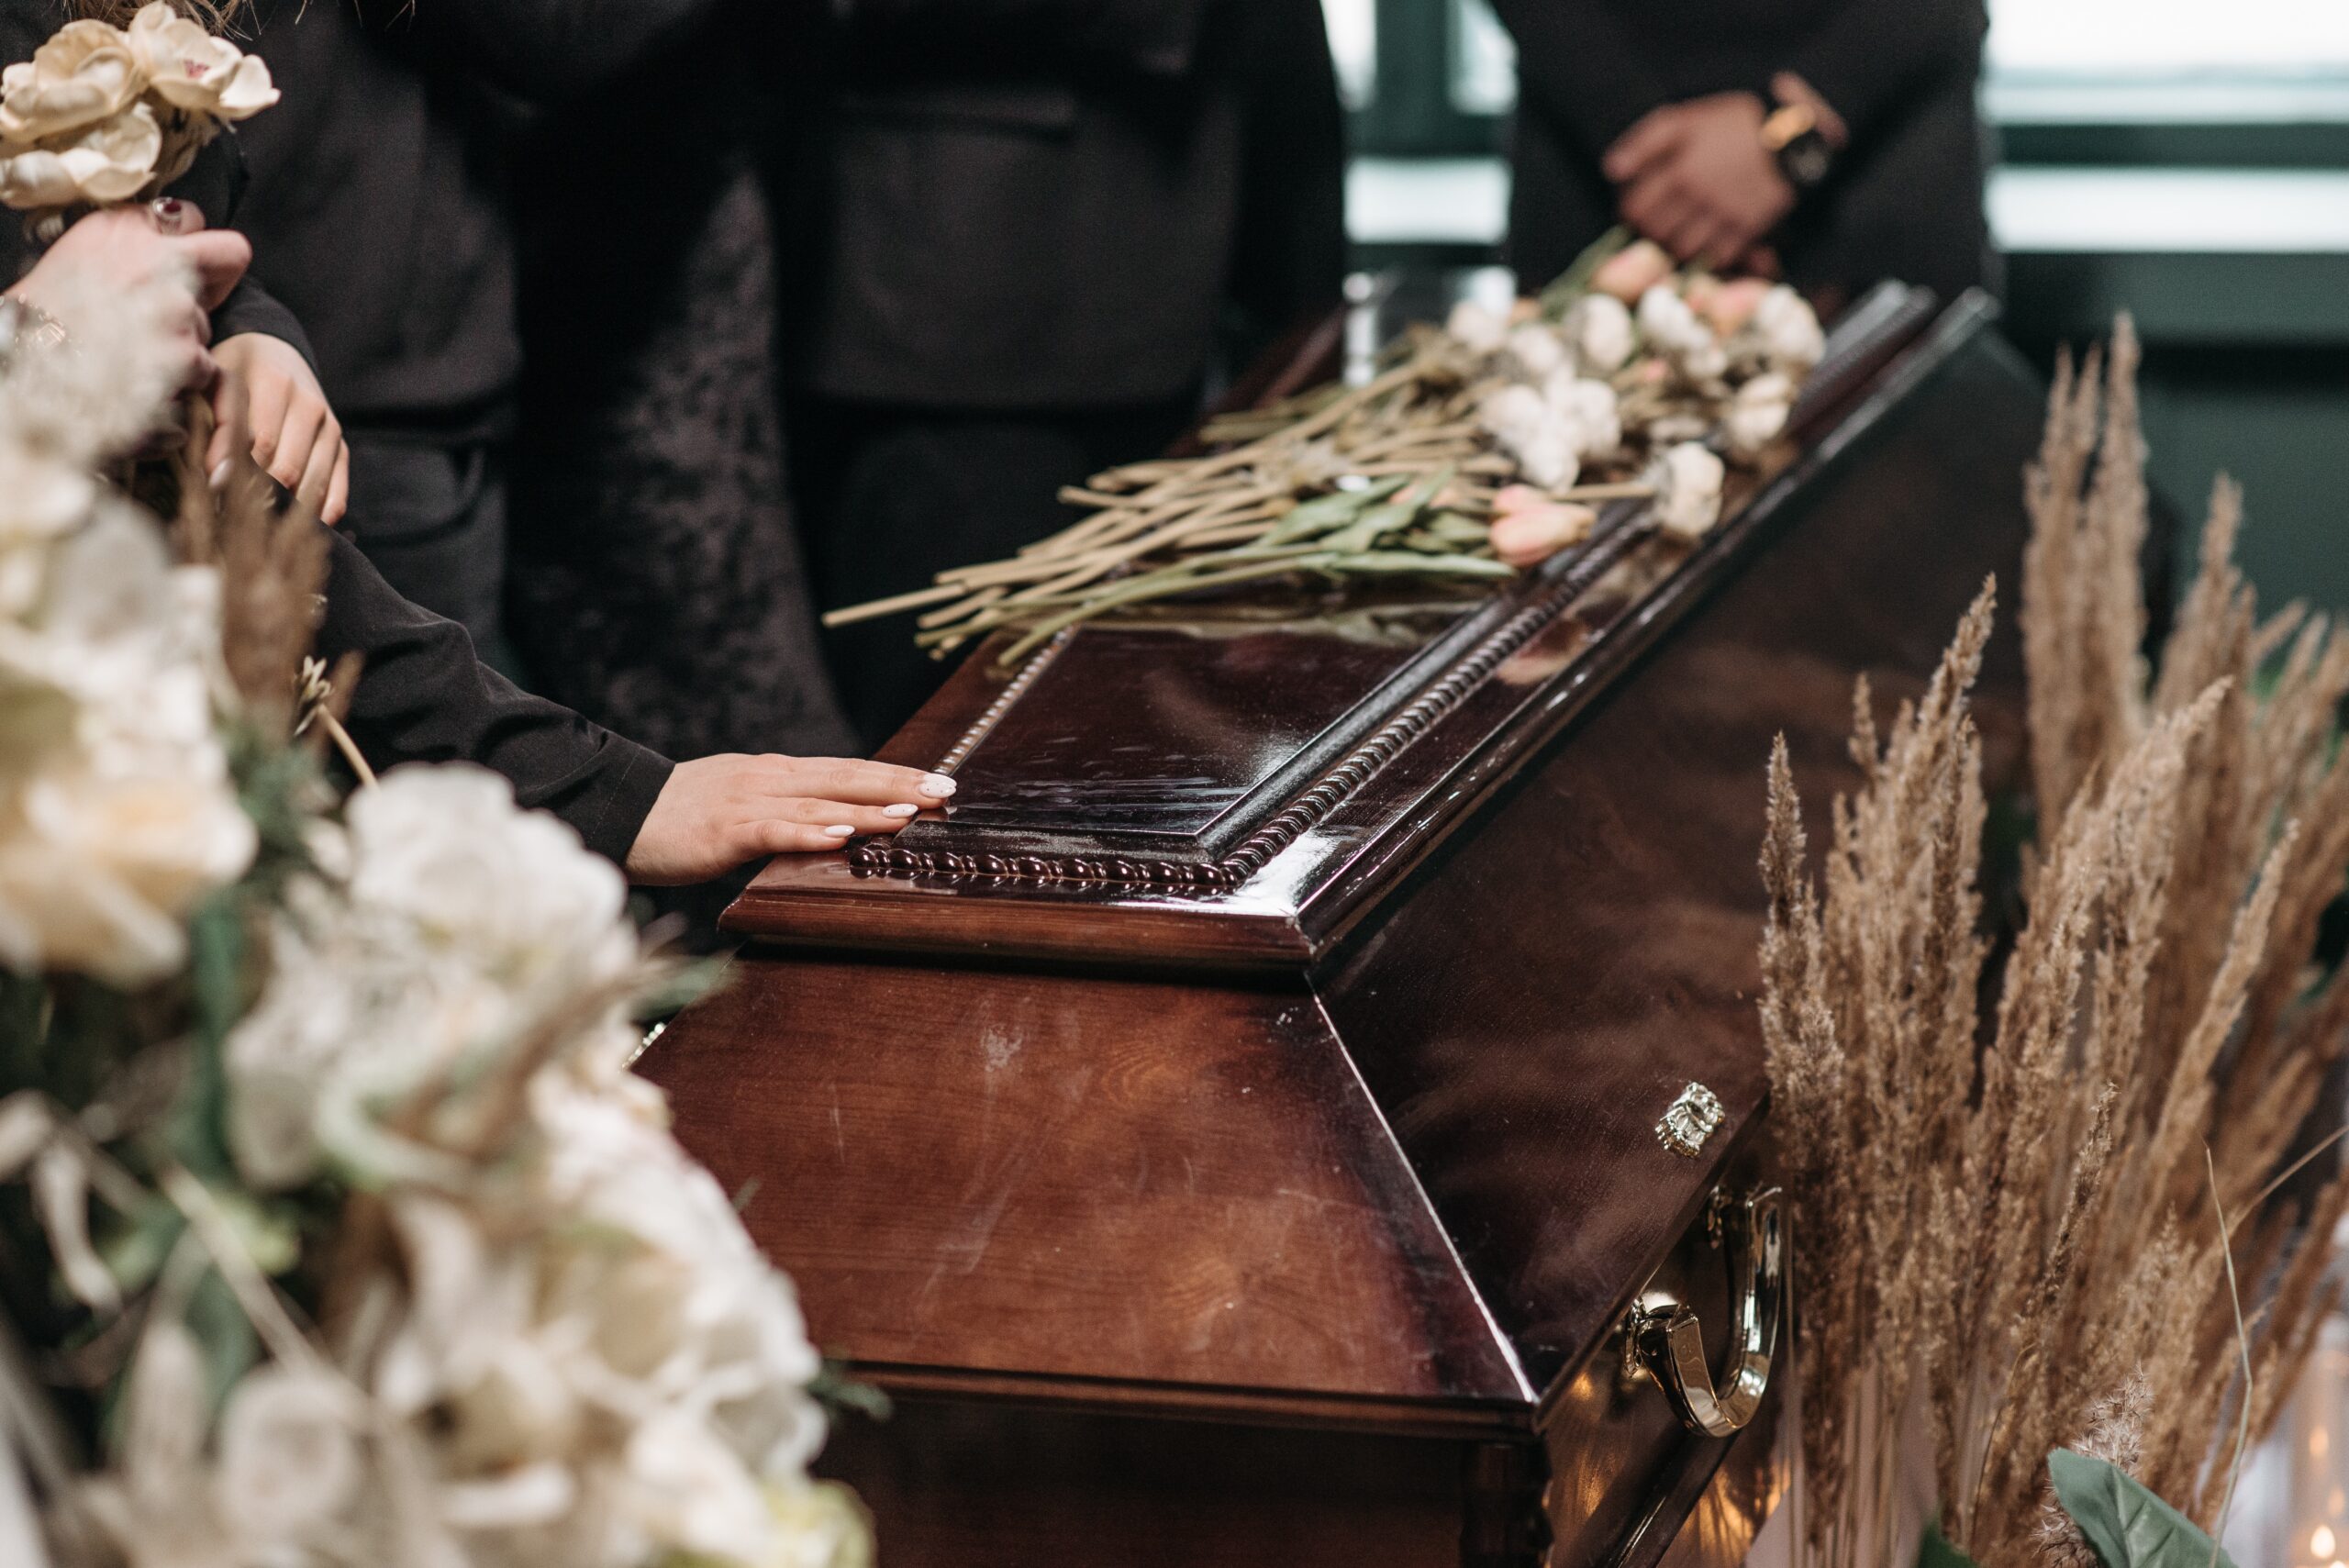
x=334, y=1231
x=103, y=115
x=1477, y=451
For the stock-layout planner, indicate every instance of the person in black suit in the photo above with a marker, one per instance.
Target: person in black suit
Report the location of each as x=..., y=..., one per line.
x=1835, y=140
x=1028, y=230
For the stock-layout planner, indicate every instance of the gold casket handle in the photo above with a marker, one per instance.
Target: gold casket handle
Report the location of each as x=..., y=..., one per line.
x=1670, y=1343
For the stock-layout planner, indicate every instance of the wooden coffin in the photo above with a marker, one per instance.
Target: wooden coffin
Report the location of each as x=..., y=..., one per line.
x=1239, y=1132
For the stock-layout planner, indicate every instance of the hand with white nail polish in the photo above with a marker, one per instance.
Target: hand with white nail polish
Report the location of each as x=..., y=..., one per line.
x=718, y=812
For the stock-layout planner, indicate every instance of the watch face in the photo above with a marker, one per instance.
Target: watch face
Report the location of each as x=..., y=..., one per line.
x=1805, y=159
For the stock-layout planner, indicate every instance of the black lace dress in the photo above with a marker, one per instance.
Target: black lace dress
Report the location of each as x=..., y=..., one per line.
x=655, y=579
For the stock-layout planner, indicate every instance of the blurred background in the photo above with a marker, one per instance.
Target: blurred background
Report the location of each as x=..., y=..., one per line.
x=2188, y=159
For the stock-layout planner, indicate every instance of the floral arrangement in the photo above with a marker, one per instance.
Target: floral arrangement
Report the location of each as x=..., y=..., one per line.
x=1480, y=449
x=335, y=1230
x=2029, y=1234
x=103, y=114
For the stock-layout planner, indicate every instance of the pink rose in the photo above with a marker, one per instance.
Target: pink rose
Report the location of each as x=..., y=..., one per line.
x=1518, y=499
x=1731, y=305
x=1632, y=271
x=1529, y=536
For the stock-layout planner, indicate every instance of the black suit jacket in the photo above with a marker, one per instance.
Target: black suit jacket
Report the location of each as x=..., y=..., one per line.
x=1058, y=203
x=1906, y=201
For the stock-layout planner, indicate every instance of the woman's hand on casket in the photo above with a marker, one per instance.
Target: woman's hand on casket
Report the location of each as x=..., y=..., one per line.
x=717, y=812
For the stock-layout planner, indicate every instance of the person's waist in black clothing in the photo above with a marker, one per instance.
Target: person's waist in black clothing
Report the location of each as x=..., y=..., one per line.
x=488, y=423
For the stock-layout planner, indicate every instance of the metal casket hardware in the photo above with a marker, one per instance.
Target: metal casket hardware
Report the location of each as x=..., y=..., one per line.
x=1668, y=1342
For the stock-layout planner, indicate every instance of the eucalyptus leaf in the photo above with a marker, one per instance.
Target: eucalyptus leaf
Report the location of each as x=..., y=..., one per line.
x=1935, y=1552
x=2126, y=1524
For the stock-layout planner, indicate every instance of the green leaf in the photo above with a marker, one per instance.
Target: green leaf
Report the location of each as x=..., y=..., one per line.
x=1935, y=1552
x=2127, y=1525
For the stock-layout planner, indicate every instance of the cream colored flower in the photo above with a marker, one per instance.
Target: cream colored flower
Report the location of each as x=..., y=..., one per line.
x=1687, y=478
x=1479, y=331
x=1758, y=412
x=112, y=160
x=447, y=848
x=818, y=1524
x=84, y=74
x=1530, y=430
x=1784, y=332
x=289, y=1462
x=1600, y=329
x=1588, y=409
x=1536, y=352
x=116, y=812
x=1675, y=331
x=192, y=68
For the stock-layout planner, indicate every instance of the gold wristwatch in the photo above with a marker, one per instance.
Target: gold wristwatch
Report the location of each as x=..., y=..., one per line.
x=1792, y=135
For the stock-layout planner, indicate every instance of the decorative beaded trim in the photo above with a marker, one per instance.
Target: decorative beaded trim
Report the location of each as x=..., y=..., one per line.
x=1313, y=806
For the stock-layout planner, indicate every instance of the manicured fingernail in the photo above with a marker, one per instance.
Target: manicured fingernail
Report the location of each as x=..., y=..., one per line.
x=839, y=830
x=899, y=810
x=221, y=472
x=938, y=786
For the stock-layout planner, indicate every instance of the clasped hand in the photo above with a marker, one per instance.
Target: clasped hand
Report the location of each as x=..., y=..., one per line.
x=1696, y=178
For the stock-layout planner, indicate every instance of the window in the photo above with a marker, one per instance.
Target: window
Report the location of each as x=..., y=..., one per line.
x=2111, y=39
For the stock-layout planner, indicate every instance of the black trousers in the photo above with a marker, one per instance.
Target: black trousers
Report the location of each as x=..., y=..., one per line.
x=890, y=496
x=432, y=520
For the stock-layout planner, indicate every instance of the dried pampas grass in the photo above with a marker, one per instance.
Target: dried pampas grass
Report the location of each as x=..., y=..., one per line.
x=2006, y=1237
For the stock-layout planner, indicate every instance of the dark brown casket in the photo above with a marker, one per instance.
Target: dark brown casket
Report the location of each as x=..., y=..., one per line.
x=1270, y=1120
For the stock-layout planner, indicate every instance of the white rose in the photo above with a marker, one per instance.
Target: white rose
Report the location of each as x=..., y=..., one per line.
x=1677, y=332
x=1668, y=322
x=111, y=161
x=1477, y=329
x=687, y=1491
x=1521, y=421
x=191, y=69
x=1537, y=351
x=289, y=1462
x=447, y=848
x=84, y=74
x=145, y=850
x=1600, y=326
x=1588, y=409
x=1784, y=333
x=819, y=1525
x=1688, y=490
x=1758, y=412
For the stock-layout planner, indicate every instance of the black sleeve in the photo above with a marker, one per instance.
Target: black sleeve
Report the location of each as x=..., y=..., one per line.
x=424, y=698
x=1874, y=55
x=1153, y=38
x=215, y=184
x=252, y=308
x=1577, y=65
